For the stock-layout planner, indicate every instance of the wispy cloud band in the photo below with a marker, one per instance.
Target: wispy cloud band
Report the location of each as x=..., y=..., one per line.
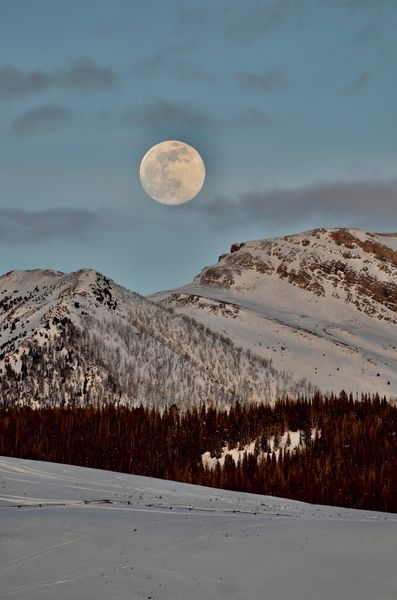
x=329, y=204
x=82, y=74
x=19, y=225
x=41, y=118
x=161, y=111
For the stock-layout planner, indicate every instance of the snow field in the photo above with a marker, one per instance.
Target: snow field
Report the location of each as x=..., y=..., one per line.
x=77, y=534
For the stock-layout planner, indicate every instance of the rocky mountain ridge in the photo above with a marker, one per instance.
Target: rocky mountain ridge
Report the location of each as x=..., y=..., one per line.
x=345, y=258
x=322, y=304
x=289, y=315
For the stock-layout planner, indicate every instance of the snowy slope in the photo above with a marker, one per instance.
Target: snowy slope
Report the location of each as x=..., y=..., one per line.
x=321, y=304
x=79, y=338
x=77, y=534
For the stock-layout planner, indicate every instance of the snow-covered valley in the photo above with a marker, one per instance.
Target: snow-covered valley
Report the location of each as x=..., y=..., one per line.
x=74, y=533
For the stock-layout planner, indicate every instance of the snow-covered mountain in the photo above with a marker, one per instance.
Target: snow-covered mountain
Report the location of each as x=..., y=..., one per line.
x=79, y=338
x=321, y=305
x=318, y=309
x=72, y=533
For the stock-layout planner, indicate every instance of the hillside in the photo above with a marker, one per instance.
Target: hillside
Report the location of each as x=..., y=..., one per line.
x=79, y=339
x=321, y=305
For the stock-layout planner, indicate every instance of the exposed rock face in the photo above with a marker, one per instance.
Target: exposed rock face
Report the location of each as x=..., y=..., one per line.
x=225, y=309
x=236, y=247
x=322, y=304
x=353, y=265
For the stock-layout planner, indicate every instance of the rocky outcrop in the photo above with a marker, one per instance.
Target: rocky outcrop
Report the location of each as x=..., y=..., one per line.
x=355, y=266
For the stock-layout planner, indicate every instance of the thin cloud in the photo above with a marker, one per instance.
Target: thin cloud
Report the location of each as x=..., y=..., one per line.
x=371, y=204
x=359, y=83
x=190, y=70
x=161, y=112
x=177, y=69
x=255, y=18
x=377, y=18
x=254, y=117
x=85, y=75
x=168, y=61
x=269, y=81
x=20, y=226
x=82, y=74
x=240, y=21
x=197, y=17
x=41, y=119
x=365, y=4
x=15, y=82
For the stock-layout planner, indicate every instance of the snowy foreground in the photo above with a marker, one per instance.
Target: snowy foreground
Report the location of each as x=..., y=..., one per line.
x=73, y=533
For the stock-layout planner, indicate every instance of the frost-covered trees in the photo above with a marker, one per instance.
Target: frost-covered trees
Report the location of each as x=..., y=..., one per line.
x=145, y=354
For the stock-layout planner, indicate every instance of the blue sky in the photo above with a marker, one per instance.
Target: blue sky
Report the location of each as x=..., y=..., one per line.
x=291, y=104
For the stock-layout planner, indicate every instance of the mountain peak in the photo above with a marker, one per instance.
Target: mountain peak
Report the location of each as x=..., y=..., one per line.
x=321, y=303
x=347, y=264
x=79, y=338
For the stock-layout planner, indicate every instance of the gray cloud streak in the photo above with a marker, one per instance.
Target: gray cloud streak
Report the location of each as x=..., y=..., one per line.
x=359, y=83
x=161, y=112
x=268, y=81
x=169, y=61
x=82, y=74
x=40, y=119
x=255, y=18
x=254, y=117
x=240, y=21
x=370, y=205
x=18, y=225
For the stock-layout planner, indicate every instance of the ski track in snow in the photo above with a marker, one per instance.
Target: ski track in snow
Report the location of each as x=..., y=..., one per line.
x=75, y=533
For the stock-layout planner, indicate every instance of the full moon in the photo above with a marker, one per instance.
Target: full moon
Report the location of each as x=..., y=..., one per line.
x=172, y=172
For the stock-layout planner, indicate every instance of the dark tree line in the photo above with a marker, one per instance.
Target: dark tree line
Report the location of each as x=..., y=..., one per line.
x=348, y=455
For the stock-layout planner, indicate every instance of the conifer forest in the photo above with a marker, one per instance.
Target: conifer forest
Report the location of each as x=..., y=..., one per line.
x=346, y=454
